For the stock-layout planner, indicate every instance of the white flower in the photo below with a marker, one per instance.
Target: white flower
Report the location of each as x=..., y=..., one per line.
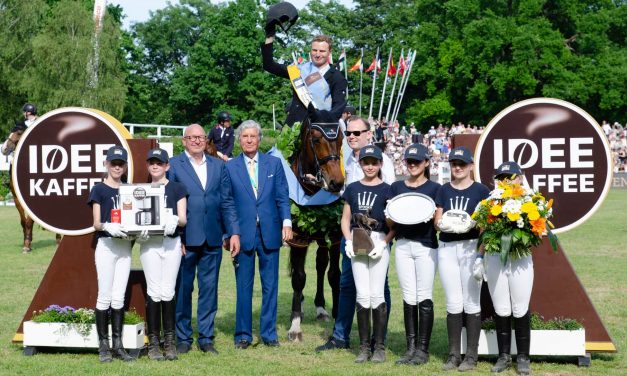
x=497, y=193
x=520, y=223
x=529, y=191
x=512, y=206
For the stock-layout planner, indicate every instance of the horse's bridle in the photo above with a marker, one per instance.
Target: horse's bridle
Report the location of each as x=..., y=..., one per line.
x=319, y=162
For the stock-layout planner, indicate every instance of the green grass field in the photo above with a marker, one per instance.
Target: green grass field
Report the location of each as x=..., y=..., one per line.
x=597, y=250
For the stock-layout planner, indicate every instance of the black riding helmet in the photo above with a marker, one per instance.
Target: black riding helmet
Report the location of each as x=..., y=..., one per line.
x=223, y=116
x=283, y=14
x=29, y=107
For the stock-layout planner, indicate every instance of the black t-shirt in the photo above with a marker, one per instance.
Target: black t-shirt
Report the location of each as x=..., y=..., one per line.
x=424, y=233
x=102, y=194
x=370, y=200
x=467, y=199
x=174, y=191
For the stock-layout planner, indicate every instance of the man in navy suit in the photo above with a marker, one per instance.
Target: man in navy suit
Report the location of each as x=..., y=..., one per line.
x=211, y=217
x=263, y=209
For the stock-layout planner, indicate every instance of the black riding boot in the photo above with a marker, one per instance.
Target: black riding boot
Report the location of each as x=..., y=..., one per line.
x=454, y=329
x=102, y=326
x=410, y=317
x=425, y=326
x=473, y=330
x=117, y=324
x=379, y=327
x=523, y=341
x=169, y=309
x=153, y=316
x=504, y=341
x=363, y=325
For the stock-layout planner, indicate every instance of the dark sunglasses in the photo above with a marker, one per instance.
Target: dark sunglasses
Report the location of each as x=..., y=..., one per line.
x=356, y=133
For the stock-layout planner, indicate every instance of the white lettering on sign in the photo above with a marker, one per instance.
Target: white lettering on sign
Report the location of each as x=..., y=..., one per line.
x=552, y=149
x=570, y=183
x=54, y=159
x=550, y=154
x=64, y=187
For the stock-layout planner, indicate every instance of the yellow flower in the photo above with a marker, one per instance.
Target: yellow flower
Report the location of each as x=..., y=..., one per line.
x=534, y=215
x=528, y=207
x=513, y=216
x=507, y=192
x=496, y=210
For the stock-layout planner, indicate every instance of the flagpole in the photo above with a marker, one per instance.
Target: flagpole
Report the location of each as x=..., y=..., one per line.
x=361, y=77
x=413, y=58
x=387, y=114
x=345, y=71
x=374, y=83
x=385, y=81
x=273, y=117
x=400, y=88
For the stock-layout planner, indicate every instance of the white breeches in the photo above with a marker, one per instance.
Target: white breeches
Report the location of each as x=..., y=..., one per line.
x=370, y=276
x=415, y=265
x=462, y=290
x=510, y=285
x=113, y=266
x=161, y=258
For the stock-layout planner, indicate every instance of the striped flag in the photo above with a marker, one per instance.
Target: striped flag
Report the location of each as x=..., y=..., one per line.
x=392, y=68
x=341, y=62
x=376, y=63
x=357, y=66
x=402, y=64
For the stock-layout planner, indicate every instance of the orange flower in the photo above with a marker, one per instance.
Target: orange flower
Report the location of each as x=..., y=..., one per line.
x=517, y=190
x=548, y=206
x=538, y=226
x=491, y=218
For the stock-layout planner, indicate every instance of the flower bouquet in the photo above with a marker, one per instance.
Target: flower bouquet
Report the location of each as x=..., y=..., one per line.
x=514, y=219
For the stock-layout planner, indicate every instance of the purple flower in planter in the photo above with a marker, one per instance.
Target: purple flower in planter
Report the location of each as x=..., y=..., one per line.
x=54, y=307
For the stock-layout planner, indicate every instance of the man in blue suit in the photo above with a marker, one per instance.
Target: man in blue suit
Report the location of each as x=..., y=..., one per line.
x=263, y=209
x=211, y=217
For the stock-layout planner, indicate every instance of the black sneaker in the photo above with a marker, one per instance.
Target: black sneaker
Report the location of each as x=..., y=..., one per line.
x=333, y=344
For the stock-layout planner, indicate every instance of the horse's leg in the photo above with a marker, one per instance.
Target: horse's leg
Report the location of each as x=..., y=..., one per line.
x=26, y=222
x=334, y=276
x=58, y=237
x=322, y=260
x=298, y=255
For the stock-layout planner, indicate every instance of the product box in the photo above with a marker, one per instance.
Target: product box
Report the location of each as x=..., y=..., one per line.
x=143, y=208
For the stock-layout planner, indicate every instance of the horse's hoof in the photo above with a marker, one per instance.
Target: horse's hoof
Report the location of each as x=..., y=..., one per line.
x=295, y=336
x=322, y=314
x=26, y=250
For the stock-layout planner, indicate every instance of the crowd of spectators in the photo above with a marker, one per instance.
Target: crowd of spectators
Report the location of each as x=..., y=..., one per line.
x=394, y=139
x=617, y=136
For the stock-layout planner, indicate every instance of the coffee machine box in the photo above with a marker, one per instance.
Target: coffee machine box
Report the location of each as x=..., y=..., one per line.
x=143, y=208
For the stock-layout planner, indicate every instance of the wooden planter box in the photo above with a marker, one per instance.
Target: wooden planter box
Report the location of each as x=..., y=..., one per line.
x=543, y=342
x=66, y=335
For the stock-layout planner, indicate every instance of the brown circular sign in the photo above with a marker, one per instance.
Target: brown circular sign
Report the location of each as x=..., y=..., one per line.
x=561, y=149
x=58, y=160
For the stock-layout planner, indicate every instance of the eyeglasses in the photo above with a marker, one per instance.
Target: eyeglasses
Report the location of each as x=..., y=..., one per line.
x=195, y=138
x=356, y=133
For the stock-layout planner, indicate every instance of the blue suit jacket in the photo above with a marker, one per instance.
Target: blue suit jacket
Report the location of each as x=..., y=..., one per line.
x=210, y=211
x=271, y=206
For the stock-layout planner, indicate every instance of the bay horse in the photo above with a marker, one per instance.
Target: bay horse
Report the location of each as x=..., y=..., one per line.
x=317, y=165
x=26, y=221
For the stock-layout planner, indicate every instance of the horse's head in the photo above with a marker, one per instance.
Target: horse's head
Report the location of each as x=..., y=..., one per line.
x=318, y=164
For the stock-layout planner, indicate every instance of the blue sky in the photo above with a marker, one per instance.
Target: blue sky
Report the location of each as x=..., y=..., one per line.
x=139, y=10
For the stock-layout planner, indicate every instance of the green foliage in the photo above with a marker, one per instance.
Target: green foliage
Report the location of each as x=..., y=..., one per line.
x=288, y=140
x=5, y=180
x=312, y=219
x=539, y=323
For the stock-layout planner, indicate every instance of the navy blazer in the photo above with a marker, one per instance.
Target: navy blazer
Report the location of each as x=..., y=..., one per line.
x=271, y=206
x=210, y=211
x=298, y=112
